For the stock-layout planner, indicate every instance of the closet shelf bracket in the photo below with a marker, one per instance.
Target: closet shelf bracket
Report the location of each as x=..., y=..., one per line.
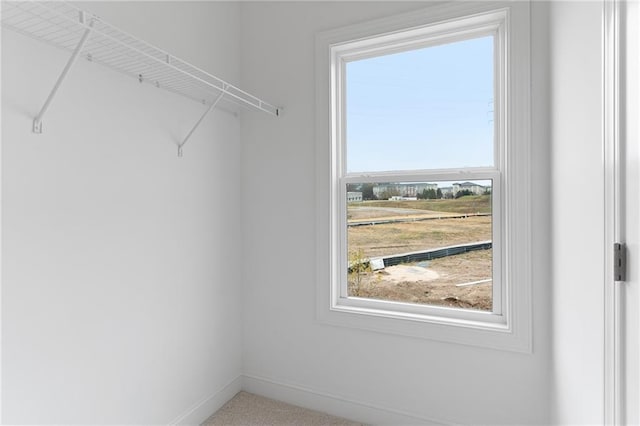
x=37, y=121
x=193, y=129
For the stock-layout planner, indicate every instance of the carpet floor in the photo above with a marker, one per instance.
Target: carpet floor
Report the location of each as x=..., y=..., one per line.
x=246, y=409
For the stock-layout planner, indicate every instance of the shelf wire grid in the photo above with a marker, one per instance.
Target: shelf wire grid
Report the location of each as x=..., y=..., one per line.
x=62, y=25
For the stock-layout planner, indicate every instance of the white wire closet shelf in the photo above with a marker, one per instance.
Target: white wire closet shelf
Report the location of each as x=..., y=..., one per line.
x=87, y=36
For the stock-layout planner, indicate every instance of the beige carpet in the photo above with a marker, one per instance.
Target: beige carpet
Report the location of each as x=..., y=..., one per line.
x=247, y=409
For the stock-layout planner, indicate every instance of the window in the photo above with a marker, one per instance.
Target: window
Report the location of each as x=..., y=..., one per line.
x=423, y=161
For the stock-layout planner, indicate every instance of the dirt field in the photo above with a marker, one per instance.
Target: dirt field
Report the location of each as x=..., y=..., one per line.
x=445, y=281
x=395, y=238
x=434, y=282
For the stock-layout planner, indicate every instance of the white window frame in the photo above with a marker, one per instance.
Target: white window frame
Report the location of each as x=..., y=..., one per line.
x=509, y=325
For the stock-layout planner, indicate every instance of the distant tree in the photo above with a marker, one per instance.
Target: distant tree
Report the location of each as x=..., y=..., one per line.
x=367, y=191
x=389, y=193
x=463, y=193
x=427, y=194
x=353, y=187
x=439, y=194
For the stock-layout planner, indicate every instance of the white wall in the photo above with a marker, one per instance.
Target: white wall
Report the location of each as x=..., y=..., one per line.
x=578, y=212
x=287, y=353
x=120, y=284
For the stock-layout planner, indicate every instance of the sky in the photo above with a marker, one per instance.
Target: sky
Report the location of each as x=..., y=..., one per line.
x=421, y=109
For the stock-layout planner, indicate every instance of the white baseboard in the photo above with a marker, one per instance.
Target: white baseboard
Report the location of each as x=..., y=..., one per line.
x=201, y=410
x=336, y=405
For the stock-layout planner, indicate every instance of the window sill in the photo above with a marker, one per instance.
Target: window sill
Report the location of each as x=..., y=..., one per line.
x=493, y=333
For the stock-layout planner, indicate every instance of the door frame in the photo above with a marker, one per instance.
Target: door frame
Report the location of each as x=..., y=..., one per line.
x=613, y=204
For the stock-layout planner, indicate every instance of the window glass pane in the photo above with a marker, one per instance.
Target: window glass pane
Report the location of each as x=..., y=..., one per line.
x=428, y=108
x=421, y=242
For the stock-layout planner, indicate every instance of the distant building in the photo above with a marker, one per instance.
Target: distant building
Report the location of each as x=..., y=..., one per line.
x=445, y=191
x=354, y=197
x=474, y=188
x=418, y=188
x=387, y=191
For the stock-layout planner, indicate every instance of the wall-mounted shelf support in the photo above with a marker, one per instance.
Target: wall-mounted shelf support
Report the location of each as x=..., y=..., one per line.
x=193, y=129
x=37, y=121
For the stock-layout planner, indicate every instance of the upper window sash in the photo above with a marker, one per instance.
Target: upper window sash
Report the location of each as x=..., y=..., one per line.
x=481, y=25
